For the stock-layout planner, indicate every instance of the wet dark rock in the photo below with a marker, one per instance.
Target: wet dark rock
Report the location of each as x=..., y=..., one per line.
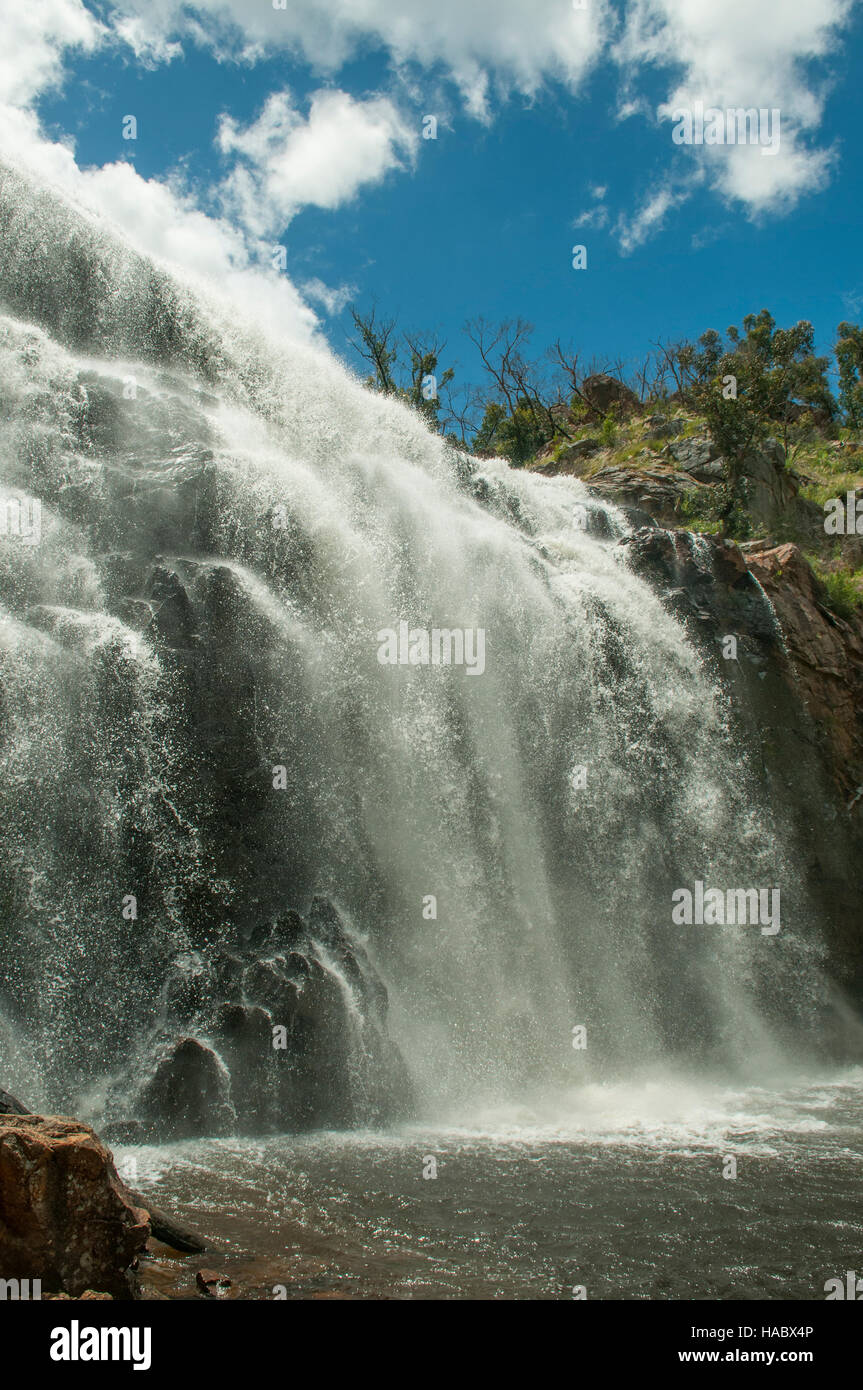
x=101, y=418
x=637, y=517
x=173, y=623
x=325, y=924
x=227, y=975
x=123, y=575
x=123, y=1132
x=75, y=501
x=598, y=523
x=9, y=1105
x=284, y=932
x=326, y=927
x=795, y=688
x=267, y=1081
x=289, y=930
x=265, y=983
x=705, y=581
x=188, y=1095
x=274, y=1042
x=135, y=612
x=242, y=1023
x=297, y=966
x=188, y=987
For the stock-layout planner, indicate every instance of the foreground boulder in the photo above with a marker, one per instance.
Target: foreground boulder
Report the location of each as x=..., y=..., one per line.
x=163, y=1226
x=67, y=1219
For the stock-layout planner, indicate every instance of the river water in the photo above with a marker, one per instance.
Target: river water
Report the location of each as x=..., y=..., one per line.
x=618, y=1190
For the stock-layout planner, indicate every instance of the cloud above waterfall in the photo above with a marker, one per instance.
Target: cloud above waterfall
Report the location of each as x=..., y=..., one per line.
x=161, y=218
x=286, y=161
x=484, y=46
x=772, y=54
x=282, y=161
x=36, y=40
x=633, y=231
x=324, y=148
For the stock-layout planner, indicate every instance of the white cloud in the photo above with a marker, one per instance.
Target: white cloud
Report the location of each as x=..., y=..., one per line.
x=594, y=219
x=287, y=162
x=743, y=53
x=35, y=37
x=161, y=217
x=650, y=218
x=510, y=43
x=332, y=299
x=633, y=106
x=149, y=46
x=598, y=215
x=775, y=184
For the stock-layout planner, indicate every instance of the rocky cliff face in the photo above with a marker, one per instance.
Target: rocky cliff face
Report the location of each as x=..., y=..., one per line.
x=163, y=792
x=793, y=673
x=285, y=1031
x=826, y=652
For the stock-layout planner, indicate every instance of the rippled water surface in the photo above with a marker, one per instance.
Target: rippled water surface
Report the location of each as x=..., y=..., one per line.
x=619, y=1189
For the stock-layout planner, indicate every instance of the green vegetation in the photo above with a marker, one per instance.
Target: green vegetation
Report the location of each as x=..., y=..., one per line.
x=759, y=382
x=849, y=356
x=843, y=586
x=738, y=389
x=402, y=365
x=608, y=432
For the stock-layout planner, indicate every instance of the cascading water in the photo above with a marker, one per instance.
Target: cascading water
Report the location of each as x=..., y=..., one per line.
x=227, y=526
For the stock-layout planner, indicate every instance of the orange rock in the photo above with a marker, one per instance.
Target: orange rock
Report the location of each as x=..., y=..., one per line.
x=65, y=1217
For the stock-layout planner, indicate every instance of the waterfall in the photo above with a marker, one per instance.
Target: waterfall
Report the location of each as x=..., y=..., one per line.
x=216, y=797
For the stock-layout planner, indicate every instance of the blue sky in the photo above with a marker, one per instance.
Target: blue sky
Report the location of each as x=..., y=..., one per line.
x=553, y=129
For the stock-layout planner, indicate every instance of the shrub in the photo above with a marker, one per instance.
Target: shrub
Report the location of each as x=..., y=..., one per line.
x=843, y=594
x=608, y=432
